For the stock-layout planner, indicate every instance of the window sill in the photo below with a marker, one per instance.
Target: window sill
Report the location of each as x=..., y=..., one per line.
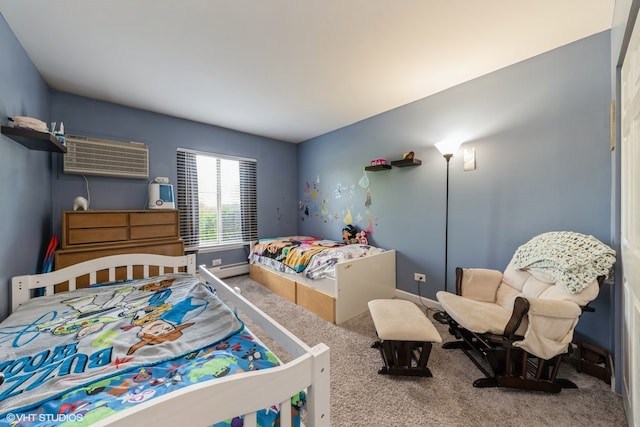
x=219, y=248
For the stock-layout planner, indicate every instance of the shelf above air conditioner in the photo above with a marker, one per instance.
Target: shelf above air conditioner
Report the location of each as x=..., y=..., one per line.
x=34, y=140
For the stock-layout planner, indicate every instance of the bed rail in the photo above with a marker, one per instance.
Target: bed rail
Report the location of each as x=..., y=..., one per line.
x=229, y=396
x=318, y=386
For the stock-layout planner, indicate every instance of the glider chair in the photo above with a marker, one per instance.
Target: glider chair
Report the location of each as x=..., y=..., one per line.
x=515, y=325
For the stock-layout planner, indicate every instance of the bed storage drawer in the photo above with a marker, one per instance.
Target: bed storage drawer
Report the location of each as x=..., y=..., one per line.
x=324, y=305
x=282, y=286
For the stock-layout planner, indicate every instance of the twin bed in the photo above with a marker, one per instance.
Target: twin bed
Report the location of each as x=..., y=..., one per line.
x=333, y=280
x=150, y=343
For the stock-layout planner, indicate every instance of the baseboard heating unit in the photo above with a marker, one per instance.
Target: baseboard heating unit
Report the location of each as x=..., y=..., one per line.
x=229, y=270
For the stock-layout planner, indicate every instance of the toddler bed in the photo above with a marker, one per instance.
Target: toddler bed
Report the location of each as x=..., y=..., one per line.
x=162, y=349
x=331, y=279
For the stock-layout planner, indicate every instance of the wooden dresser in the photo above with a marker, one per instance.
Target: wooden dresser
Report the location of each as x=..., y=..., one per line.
x=92, y=234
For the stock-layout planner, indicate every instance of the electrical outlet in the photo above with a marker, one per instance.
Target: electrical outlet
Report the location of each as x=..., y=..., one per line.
x=419, y=277
x=216, y=261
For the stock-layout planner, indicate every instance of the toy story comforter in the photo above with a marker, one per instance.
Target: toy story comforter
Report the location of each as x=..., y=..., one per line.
x=77, y=357
x=312, y=256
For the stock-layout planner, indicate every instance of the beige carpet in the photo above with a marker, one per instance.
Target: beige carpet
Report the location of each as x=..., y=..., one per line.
x=362, y=397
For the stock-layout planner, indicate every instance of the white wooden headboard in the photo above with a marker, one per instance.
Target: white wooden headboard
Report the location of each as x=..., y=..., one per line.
x=22, y=286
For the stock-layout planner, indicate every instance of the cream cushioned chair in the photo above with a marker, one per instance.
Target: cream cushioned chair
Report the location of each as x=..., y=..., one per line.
x=520, y=321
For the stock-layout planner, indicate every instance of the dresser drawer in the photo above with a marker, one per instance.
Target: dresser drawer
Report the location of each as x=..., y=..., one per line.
x=84, y=236
x=87, y=227
x=153, y=225
x=153, y=218
x=96, y=227
x=153, y=231
x=92, y=220
x=92, y=234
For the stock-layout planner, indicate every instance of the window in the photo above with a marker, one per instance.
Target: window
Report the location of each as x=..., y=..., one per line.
x=216, y=199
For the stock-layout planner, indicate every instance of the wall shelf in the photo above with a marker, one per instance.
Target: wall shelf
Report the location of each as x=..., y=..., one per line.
x=377, y=168
x=34, y=140
x=397, y=163
x=406, y=162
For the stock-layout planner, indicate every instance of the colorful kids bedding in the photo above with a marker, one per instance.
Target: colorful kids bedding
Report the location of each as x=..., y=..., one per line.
x=77, y=357
x=293, y=252
x=312, y=256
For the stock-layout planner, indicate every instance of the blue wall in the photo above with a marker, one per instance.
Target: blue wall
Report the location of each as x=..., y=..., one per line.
x=540, y=129
x=163, y=134
x=25, y=175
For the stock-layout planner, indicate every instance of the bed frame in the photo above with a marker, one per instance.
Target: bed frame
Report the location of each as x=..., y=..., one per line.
x=357, y=281
x=214, y=401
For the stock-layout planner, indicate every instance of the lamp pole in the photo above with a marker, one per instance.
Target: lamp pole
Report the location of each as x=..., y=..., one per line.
x=447, y=149
x=446, y=225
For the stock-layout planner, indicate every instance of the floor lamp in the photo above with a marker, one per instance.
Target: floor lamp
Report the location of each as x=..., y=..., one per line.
x=447, y=149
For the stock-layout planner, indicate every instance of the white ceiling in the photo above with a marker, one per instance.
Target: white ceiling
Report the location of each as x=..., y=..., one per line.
x=286, y=69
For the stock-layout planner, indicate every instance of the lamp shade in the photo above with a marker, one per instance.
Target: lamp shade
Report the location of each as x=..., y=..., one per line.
x=448, y=147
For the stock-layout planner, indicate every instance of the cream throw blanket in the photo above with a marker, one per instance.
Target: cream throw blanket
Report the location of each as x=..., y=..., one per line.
x=574, y=260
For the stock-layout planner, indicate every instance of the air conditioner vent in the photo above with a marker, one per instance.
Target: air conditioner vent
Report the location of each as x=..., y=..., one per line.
x=92, y=156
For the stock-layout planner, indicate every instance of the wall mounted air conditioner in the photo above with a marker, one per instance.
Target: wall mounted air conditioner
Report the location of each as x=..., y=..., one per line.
x=93, y=156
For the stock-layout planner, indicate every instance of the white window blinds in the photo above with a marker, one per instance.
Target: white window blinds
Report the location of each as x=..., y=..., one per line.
x=217, y=199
